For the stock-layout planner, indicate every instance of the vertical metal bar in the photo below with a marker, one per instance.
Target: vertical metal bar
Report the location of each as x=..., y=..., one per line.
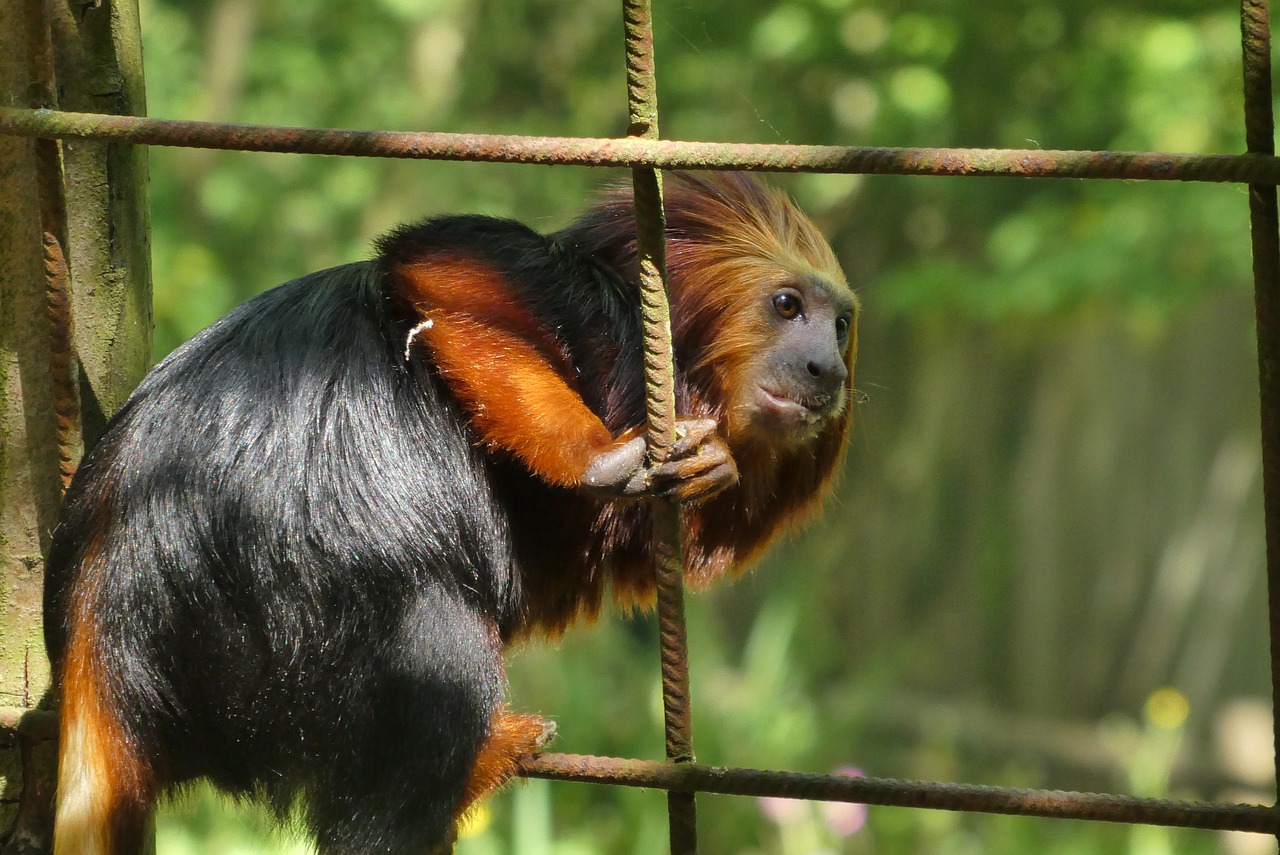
x=53, y=226
x=642, y=102
x=1265, y=226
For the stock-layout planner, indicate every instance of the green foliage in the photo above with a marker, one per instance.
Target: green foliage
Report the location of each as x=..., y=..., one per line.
x=1136, y=76
x=1095, y=76
x=1056, y=372
x=1119, y=248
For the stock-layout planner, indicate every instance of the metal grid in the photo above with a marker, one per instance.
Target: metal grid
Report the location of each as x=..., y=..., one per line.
x=645, y=153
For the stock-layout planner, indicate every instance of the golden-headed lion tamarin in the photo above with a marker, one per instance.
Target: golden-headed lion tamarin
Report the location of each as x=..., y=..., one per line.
x=292, y=562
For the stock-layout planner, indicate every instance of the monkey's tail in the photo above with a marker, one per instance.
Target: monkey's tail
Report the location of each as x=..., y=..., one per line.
x=106, y=788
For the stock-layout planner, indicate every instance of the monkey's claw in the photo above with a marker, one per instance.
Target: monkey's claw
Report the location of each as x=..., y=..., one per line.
x=547, y=736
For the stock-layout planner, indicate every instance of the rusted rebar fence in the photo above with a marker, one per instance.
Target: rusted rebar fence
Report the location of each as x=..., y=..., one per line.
x=694, y=777
x=660, y=403
x=642, y=151
x=634, y=152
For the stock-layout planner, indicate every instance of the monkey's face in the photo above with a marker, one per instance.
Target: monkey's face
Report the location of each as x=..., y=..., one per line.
x=799, y=382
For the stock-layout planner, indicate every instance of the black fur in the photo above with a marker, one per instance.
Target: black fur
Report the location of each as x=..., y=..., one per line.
x=301, y=566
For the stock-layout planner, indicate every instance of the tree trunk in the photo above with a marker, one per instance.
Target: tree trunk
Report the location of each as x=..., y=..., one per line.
x=73, y=234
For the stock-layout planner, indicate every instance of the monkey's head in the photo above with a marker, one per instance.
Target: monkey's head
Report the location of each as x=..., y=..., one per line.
x=764, y=328
x=762, y=310
x=764, y=323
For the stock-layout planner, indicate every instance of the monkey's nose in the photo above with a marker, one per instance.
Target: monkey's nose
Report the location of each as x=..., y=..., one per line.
x=828, y=372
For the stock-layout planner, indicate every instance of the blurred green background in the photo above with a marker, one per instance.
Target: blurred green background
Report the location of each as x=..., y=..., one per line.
x=1044, y=565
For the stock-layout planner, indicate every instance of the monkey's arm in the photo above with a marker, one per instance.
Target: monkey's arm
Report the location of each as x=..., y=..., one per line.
x=511, y=375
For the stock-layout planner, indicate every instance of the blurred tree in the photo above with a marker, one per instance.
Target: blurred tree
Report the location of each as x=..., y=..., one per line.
x=1052, y=506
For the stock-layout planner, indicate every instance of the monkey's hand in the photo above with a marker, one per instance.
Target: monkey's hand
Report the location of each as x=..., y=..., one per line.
x=698, y=467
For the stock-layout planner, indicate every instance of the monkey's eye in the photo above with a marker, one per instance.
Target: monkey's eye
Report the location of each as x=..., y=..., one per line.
x=786, y=304
x=843, y=324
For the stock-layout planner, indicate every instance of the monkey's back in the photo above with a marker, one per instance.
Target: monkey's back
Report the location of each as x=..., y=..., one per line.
x=285, y=526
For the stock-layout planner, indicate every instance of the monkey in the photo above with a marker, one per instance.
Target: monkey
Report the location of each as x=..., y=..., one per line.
x=293, y=561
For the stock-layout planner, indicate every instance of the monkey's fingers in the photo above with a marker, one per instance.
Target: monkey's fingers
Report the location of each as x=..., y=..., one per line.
x=691, y=433
x=697, y=477
x=698, y=457
x=708, y=484
x=619, y=471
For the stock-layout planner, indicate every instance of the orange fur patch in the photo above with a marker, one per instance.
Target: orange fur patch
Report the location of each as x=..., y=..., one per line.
x=505, y=367
x=512, y=736
x=105, y=789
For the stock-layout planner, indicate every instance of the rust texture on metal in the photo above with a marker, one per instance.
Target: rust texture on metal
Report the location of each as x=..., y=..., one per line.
x=635, y=152
x=642, y=85
x=660, y=401
x=659, y=370
x=62, y=360
x=33, y=724
x=53, y=226
x=1265, y=232
x=695, y=777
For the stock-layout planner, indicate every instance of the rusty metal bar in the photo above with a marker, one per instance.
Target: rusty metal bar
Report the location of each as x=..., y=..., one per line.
x=660, y=399
x=633, y=152
x=695, y=777
x=53, y=227
x=36, y=723
x=1259, y=120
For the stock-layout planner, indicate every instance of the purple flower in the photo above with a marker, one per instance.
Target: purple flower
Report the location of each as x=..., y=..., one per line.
x=842, y=818
x=845, y=818
x=781, y=811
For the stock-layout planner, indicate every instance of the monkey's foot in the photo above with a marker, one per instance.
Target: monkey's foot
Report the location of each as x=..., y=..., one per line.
x=512, y=737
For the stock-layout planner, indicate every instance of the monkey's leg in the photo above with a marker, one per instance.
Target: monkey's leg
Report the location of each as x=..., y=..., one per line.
x=512, y=737
x=410, y=715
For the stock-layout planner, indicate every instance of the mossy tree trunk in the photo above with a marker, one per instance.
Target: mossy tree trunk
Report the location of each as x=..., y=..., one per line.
x=85, y=203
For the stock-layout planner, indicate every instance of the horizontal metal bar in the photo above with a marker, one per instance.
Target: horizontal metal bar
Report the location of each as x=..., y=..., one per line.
x=38, y=725
x=631, y=152
x=696, y=777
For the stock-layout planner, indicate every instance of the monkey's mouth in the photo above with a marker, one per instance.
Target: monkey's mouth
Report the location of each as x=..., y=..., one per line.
x=806, y=408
